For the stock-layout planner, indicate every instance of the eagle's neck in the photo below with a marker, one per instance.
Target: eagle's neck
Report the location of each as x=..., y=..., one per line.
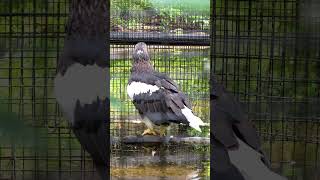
x=88, y=18
x=142, y=67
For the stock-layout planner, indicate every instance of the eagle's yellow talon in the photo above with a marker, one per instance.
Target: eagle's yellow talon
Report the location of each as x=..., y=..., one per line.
x=149, y=132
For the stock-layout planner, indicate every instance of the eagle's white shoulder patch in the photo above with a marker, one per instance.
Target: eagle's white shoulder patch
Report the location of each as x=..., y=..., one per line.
x=135, y=88
x=83, y=83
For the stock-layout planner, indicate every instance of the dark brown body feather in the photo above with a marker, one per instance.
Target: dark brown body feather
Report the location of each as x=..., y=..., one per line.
x=85, y=44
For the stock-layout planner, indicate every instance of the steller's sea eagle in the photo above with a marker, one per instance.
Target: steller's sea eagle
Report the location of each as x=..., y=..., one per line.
x=81, y=80
x=156, y=97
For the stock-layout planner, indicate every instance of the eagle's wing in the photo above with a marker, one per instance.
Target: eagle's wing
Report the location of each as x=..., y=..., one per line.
x=236, y=138
x=169, y=84
x=161, y=101
x=162, y=105
x=230, y=120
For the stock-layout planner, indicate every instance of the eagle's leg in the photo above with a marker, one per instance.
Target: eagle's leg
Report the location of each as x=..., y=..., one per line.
x=150, y=127
x=149, y=131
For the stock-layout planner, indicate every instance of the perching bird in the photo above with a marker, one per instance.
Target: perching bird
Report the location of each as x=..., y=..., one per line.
x=236, y=148
x=81, y=80
x=156, y=97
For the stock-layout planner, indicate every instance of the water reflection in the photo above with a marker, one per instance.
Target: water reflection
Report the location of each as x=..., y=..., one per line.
x=160, y=162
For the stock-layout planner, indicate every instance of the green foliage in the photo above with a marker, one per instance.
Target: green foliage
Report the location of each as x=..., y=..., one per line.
x=15, y=132
x=131, y=5
x=194, y=133
x=200, y=5
x=7, y=6
x=132, y=13
x=206, y=171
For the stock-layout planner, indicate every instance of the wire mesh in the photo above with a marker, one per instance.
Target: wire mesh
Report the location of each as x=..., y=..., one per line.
x=186, y=65
x=267, y=53
x=178, y=43
x=147, y=21
x=42, y=146
x=32, y=35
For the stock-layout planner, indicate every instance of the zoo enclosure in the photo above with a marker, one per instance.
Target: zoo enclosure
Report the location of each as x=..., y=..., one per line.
x=32, y=36
x=266, y=52
x=179, y=45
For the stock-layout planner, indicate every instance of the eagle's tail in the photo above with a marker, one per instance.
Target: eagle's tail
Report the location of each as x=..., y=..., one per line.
x=194, y=121
x=95, y=143
x=249, y=163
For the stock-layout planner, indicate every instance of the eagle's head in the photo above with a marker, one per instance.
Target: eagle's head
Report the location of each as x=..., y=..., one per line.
x=140, y=52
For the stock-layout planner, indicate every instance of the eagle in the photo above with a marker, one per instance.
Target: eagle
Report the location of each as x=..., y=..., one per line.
x=80, y=85
x=236, y=147
x=157, y=98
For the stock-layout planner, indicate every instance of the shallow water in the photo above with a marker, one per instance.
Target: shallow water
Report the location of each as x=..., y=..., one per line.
x=158, y=172
x=160, y=162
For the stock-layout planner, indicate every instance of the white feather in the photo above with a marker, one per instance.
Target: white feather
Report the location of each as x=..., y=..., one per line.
x=135, y=88
x=83, y=83
x=248, y=161
x=194, y=121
